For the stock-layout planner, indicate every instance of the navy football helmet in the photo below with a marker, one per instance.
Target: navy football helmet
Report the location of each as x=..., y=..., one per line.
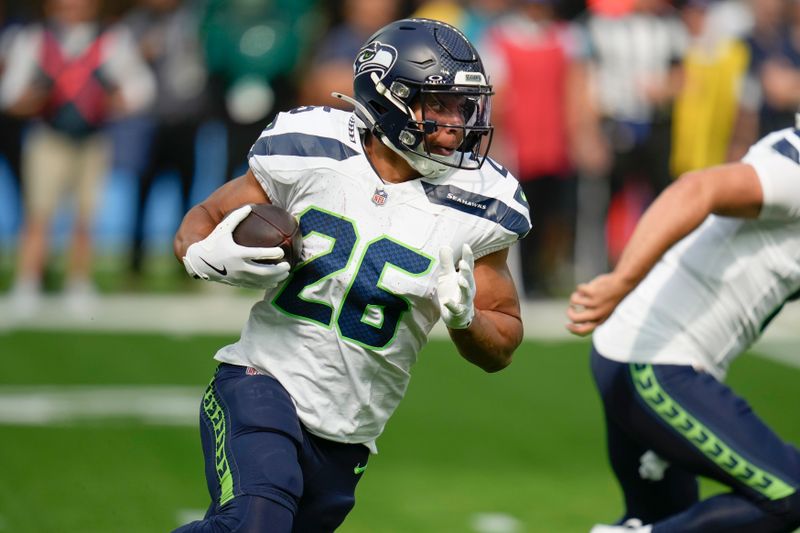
x=416, y=76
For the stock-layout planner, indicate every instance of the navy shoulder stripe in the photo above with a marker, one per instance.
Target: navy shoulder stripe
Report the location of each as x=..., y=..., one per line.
x=503, y=171
x=787, y=149
x=479, y=206
x=302, y=145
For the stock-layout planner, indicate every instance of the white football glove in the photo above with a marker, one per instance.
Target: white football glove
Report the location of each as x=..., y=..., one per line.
x=456, y=288
x=219, y=258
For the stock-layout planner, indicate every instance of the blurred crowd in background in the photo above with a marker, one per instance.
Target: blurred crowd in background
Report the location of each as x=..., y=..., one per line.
x=118, y=115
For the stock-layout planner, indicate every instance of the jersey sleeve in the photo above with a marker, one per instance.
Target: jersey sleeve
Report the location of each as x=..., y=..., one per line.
x=776, y=159
x=261, y=159
x=510, y=212
x=293, y=145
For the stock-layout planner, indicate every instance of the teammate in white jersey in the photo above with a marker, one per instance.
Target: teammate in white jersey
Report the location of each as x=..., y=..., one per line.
x=405, y=221
x=709, y=265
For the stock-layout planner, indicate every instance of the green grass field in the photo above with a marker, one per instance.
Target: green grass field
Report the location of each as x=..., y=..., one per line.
x=526, y=443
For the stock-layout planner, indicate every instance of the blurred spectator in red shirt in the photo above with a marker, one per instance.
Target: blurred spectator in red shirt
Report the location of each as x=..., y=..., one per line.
x=543, y=121
x=71, y=73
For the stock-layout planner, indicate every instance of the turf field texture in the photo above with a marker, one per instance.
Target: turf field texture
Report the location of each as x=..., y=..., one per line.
x=99, y=434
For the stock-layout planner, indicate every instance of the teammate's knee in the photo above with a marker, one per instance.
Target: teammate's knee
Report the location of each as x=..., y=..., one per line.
x=324, y=514
x=786, y=509
x=793, y=510
x=245, y=514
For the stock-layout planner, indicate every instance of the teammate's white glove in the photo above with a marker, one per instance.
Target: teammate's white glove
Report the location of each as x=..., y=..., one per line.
x=219, y=258
x=651, y=466
x=456, y=288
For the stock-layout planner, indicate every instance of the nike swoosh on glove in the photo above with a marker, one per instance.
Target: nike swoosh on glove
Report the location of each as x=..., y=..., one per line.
x=219, y=258
x=456, y=288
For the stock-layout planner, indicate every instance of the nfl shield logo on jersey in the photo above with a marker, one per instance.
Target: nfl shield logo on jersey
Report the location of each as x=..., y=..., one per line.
x=379, y=197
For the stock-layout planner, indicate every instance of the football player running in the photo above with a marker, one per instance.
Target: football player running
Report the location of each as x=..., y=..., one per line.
x=710, y=263
x=405, y=221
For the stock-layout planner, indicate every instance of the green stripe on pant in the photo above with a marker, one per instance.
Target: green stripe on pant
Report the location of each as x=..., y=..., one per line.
x=648, y=388
x=216, y=415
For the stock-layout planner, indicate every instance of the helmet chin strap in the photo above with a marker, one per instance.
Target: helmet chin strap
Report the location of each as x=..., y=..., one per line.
x=428, y=168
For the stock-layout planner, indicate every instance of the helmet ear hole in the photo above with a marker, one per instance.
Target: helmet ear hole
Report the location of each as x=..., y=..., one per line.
x=377, y=107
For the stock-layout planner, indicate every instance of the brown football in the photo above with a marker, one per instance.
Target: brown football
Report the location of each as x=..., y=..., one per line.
x=270, y=226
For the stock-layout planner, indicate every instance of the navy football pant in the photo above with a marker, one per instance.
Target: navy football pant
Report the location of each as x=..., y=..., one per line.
x=265, y=471
x=700, y=427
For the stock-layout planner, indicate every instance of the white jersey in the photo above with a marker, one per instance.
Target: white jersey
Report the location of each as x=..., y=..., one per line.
x=342, y=333
x=714, y=292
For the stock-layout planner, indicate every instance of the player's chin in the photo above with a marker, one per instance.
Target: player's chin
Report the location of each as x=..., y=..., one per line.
x=443, y=152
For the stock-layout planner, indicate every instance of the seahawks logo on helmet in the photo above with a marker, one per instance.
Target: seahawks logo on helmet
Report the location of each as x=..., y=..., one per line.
x=375, y=57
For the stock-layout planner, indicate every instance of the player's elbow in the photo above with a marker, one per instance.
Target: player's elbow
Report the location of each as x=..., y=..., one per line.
x=493, y=361
x=497, y=364
x=490, y=348
x=501, y=353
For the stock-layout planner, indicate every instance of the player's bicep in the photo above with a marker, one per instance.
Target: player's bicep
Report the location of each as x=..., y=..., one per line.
x=495, y=289
x=728, y=190
x=735, y=190
x=238, y=192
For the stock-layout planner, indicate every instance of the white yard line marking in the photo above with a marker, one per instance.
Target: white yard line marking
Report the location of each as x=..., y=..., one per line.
x=53, y=405
x=494, y=523
x=185, y=516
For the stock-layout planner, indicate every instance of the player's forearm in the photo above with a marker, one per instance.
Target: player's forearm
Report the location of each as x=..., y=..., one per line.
x=201, y=220
x=490, y=340
x=680, y=209
x=196, y=226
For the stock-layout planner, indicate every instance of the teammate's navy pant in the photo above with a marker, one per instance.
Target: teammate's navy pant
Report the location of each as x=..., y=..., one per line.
x=700, y=427
x=265, y=472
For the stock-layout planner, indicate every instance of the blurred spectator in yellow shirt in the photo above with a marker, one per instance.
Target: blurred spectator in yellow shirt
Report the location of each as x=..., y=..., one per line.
x=705, y=110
